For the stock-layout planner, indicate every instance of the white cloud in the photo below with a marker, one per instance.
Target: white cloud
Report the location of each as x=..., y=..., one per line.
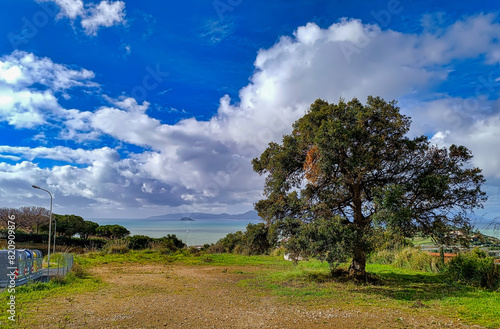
x=70, y=8
x=60, y=153
x=22, y=104
x=93, y=16
x=25, y=109
x=22, y=69
x=105, y=14
x=482, y=138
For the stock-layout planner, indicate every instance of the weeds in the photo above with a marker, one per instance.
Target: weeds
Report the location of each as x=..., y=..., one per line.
x=117, y=247
x=474, y=268
x=408, y=257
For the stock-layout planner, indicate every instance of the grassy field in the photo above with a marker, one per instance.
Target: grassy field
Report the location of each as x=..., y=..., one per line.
x=308, y=284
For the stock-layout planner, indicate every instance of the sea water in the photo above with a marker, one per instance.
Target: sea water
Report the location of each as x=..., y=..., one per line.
x=197, y=232
x=202, y=231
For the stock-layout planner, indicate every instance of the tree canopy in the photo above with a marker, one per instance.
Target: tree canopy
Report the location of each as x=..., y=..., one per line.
x=112, y=231
x=68, y=225
x=349, y=168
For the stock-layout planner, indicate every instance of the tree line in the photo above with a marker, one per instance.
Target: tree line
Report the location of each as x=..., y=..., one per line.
x=36, y=220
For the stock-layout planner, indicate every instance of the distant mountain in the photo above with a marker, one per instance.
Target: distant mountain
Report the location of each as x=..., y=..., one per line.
x=186, y=219
x=249, y=215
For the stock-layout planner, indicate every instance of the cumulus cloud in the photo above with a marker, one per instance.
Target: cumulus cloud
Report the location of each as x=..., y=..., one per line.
x=29, y=88
x=93, y=16
x=70, y=8
x=104, y=14
x=22, y=69
x=482, y=138
x=61, y=153
x=204, y=163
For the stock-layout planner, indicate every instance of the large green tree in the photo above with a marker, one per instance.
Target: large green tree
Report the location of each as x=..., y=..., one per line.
x=68, y=225
x=112, y=231
x=88, y=228
x=347, y=168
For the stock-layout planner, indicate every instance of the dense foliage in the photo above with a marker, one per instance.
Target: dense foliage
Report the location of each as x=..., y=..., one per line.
x=474, y=268
x=258, y=239
x=348, y=169
x=112, y=231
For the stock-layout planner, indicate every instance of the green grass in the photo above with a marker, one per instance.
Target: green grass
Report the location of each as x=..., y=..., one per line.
x=142, y=257
x=413, y=291
x=419, y=241
x=26, y=296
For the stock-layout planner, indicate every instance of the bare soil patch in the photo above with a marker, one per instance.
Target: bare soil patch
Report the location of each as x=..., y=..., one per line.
x=179, y=296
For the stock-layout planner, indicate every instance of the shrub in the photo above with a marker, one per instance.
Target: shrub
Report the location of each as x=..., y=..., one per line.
x=167, y=244
x=171, y=241
x=58, y=280
x=229, y=242
x=138, y=242
x=79, y=271
x=194, y=251
x=385, y=256
x=216, y=249
x=416, y=259
x=278, y=252
x=258, y=239
x=117, y=247
x=155, y=245
x=474, y=268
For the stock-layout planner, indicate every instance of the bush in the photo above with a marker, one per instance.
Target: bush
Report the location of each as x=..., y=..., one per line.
x=79, y=271
x=416, y=259
x=408, y=257
x=116, y=247
x=58, y=280
x=167, y=244
x=256, y=240
x=278, y=252
x=173, y=240
x=383, y=257
x=229, y=242
x=136, y=242
x=474, y=268
x=216, y=249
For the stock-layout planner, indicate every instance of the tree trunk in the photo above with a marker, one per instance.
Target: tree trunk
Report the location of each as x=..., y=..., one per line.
x=358, y=264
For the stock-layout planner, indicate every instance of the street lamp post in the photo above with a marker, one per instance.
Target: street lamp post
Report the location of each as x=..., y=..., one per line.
x=50, y=225
x=54, y=245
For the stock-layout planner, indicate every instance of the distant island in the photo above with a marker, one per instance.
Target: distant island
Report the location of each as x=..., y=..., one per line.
x=249, y=215
x=186, y=219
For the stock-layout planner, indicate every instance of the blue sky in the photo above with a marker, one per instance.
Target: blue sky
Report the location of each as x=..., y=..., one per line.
x=139, y=108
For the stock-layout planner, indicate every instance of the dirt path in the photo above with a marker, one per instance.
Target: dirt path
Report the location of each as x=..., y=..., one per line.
x=176, y=296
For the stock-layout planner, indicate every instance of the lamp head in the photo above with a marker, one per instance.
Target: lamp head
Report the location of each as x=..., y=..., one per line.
x=34, y=186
